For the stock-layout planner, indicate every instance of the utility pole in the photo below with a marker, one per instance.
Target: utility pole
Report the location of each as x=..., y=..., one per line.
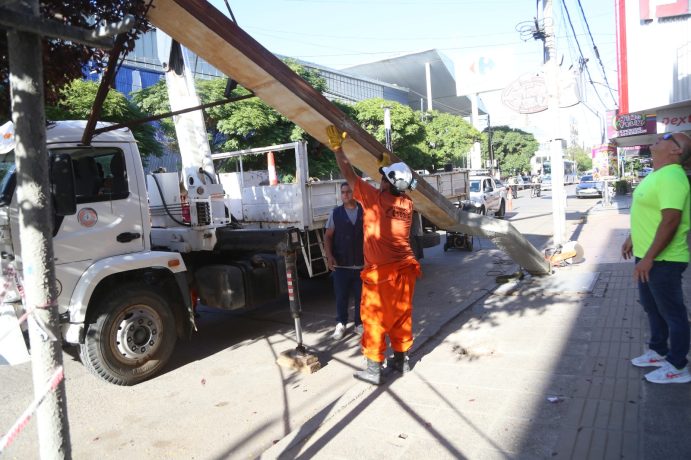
x=35, y=228
x=24, y=31
x=490, y=149
x=556, y=153
x=387, y=128
x=475, y=153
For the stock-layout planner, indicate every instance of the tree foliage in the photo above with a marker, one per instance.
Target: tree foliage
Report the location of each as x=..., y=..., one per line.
x=449, y=139
x=583, y=160
x=407, y=131
x=77, y=99
x=244, y=124
x=513, y=149
x=65, y=61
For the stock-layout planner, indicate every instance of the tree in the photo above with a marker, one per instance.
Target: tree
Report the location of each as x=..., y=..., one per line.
x=65, y=61
x=244, y=124
x=407, y=132
x=513, y=149
x=77, y=99
x=583, y=161
x=449, y=138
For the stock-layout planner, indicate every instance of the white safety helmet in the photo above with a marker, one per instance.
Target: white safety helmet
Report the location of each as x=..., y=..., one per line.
x=400, y=176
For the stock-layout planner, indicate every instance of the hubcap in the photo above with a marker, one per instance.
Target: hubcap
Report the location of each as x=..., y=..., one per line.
x=136, y=335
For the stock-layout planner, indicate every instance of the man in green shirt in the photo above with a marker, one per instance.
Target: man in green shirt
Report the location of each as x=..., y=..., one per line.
x=659, y=224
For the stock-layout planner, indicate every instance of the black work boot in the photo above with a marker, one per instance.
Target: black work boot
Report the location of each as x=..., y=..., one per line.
x=401, y=362
x=371, y=374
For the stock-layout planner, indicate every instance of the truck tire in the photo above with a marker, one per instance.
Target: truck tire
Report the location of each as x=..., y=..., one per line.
x=132, y=337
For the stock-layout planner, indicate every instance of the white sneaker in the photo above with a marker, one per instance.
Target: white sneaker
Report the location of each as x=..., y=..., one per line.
x=359, y=329
x=650, y=358
x=339, y=332
x=669, y=374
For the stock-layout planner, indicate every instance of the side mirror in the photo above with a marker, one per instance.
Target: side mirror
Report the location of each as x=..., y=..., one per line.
x=62, y=185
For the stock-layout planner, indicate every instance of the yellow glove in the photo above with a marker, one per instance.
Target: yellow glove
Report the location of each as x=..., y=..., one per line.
x=336, y=137
x=385, y=160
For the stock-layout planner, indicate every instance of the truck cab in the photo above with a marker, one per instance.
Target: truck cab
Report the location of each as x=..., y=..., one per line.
x=128, y=282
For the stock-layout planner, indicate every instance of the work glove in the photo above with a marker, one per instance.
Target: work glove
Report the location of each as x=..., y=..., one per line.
x=336, y=137
x=385, y=160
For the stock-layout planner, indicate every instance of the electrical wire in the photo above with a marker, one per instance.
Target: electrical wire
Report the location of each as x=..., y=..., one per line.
x=583, y=61
x=597, y=53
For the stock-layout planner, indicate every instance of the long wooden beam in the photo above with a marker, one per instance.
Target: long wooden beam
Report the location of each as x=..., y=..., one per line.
x=206, y=31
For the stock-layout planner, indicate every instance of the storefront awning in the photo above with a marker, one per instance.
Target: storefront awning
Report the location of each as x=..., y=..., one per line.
x=632, y=141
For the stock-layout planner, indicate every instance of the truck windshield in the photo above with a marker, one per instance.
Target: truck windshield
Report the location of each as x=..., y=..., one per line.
x=7, y=180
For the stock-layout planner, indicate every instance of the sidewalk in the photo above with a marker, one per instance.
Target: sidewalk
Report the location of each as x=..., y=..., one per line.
x=537, y=370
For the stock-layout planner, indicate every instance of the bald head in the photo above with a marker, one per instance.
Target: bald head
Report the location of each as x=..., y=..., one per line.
x=684, y=141
x=671, y=148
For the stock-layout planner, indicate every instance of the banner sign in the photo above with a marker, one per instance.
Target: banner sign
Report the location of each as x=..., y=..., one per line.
x=603, y=156
x=632, y=124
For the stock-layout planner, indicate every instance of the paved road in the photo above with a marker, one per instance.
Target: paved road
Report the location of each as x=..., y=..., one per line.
x=223, y=396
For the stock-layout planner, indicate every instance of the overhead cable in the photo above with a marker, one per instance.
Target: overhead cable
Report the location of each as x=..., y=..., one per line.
x=597, y=53
x=583, y=60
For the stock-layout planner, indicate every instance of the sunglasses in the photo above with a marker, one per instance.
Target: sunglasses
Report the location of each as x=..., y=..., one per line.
x=670, y=137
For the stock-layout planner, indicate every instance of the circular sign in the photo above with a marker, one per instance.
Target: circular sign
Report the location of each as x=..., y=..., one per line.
x=527, y=94
x=87, y=217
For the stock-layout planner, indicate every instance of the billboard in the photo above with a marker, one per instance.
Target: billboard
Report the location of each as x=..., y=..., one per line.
x=604, y=160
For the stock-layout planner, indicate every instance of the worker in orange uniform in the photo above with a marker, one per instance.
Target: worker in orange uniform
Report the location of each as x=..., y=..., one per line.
x=390, y=272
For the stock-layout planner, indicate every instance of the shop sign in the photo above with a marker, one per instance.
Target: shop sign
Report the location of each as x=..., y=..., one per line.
x=678, y=119
x=634, y=124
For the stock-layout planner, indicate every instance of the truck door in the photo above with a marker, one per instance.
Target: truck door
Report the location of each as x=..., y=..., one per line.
x=108, y=220
x=490, y=195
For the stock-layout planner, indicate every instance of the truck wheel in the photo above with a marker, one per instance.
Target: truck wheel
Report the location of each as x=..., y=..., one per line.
x=502, y=210
x=132, y=338
x=469, y=243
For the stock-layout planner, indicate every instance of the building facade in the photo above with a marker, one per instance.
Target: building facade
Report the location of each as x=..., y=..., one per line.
x=654, y=63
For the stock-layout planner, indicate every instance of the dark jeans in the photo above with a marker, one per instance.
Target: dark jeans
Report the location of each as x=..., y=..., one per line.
x=663, y=301
x=347, y=282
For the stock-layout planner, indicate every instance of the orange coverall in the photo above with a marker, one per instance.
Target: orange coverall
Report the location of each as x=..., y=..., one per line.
x=390, y=271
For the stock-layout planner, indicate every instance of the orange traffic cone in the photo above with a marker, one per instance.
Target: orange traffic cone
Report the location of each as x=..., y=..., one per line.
x=273, y=178
x=509, y=200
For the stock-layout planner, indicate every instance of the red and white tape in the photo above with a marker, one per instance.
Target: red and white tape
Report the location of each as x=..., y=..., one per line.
x=24, y=419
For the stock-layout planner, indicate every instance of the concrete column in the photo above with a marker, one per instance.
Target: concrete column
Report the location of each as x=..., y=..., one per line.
x=476, y=153
x=556, y=152
x=428, y=80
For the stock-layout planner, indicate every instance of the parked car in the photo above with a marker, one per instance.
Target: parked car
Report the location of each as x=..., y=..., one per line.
x=588, y=187
x=486, y=197
x=644, y=172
